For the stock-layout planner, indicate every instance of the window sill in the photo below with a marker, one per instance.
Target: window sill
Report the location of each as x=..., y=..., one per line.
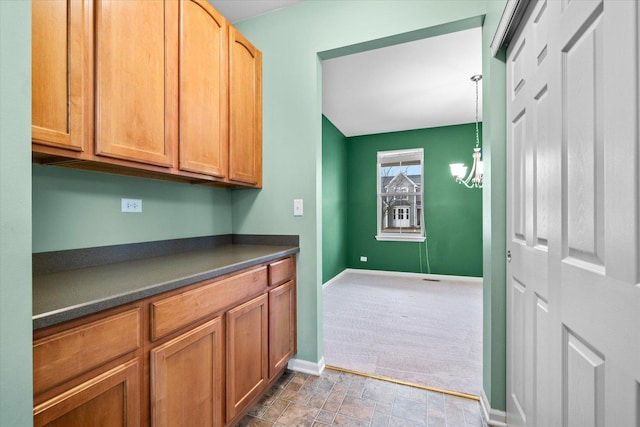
x=399, y=238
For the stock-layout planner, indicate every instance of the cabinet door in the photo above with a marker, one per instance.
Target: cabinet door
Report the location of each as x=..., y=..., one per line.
x=187, y=378
x=136, y=80
x=282, y=321
x=245, y=109
x=61, y=71
x=109, y=399
x=203, y=89
x=247, y=353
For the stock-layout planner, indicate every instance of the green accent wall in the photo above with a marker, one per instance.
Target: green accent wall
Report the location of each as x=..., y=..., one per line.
x=334, y=201
x=452, y=212
x=79, y=209
x=16, y=392
x=292, y=40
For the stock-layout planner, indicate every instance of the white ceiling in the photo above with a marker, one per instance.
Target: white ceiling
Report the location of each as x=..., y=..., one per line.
x=420, y=84
x=239, y=10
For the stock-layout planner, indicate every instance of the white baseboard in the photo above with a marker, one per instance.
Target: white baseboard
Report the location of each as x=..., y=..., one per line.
x=492, y=417
x=335, y=278
x=441, y=277
x=306, y=367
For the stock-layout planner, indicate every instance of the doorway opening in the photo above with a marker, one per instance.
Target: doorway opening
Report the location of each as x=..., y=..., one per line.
x=380, y=316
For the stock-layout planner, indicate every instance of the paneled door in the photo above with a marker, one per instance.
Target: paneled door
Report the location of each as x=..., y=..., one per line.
x=187, y=376
x=136, y=61
x=61, y=73
x=204, y=138
x=247, y=353
x=282, y=320
x=109, y=399
x=245, y=110
x=573, y=292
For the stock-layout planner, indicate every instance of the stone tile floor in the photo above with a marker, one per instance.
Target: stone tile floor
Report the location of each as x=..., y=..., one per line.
x=344, y=399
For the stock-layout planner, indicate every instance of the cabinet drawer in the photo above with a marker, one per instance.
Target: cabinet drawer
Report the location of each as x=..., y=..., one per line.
x=67, y=354
x=281, y=271
x=172, y=313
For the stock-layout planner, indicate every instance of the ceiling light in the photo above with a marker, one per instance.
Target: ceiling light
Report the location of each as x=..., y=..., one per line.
x=459, y=170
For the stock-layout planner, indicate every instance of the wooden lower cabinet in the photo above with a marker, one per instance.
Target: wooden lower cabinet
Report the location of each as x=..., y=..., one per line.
x=282, y=330
x=187, y=378
x=198, y=356
x=109, y=399
x=247, y=352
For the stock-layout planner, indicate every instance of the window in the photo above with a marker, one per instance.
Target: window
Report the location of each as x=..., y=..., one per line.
x=400, y=195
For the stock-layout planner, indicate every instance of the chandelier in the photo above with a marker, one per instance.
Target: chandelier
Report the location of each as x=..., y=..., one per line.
x=459, y=170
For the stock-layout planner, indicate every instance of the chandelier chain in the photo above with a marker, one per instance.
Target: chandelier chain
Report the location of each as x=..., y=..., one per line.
x=477, y=134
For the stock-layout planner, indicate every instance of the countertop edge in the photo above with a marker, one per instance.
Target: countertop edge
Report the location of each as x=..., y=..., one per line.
x=55, y=317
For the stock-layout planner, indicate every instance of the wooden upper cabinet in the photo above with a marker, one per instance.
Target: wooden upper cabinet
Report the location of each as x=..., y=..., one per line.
x=203, y=89
x=61, y=73
x=136, y=58
x=134, y=86
x=245, y=109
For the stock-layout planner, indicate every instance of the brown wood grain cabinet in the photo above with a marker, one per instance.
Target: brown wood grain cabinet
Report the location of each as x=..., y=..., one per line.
x=61, y=75
x=108, y=399
x=146, y=88
x=199, y=355
x=177, y=311
x=62, y=356
x=204, y=73
x=187, y=378
x=247, y=353
x=89, y=372
x=245, y=110
x=282, y=330
x=136, y=71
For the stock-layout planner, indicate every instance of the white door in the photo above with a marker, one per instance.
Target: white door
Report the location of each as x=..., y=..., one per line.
x=401, y=217
x=573, y=292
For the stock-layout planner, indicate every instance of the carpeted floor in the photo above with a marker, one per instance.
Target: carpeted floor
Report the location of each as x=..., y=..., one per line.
x=406, y=328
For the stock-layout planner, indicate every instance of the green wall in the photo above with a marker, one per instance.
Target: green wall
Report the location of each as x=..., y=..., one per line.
x=78, y=209
x=334, y=200
x=494, y=207
x=452, y=212
x=291, y=41
x=15, y=214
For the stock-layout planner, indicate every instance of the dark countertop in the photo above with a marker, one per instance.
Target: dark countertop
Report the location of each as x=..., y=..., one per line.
x=66, y=295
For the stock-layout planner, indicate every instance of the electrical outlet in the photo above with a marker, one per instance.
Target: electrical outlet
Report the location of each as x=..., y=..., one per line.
x=131, y=205
x=363, y=258
x=297, y=207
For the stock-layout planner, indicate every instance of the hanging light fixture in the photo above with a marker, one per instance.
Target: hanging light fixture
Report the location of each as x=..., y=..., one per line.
x=459, y=170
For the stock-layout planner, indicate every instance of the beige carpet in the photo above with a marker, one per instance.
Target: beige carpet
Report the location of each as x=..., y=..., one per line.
x=408, y=329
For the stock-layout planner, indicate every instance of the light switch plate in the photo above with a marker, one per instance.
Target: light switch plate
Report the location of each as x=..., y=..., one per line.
x=297, y=207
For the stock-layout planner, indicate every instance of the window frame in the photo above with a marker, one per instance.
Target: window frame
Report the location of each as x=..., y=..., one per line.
x=408, y=155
